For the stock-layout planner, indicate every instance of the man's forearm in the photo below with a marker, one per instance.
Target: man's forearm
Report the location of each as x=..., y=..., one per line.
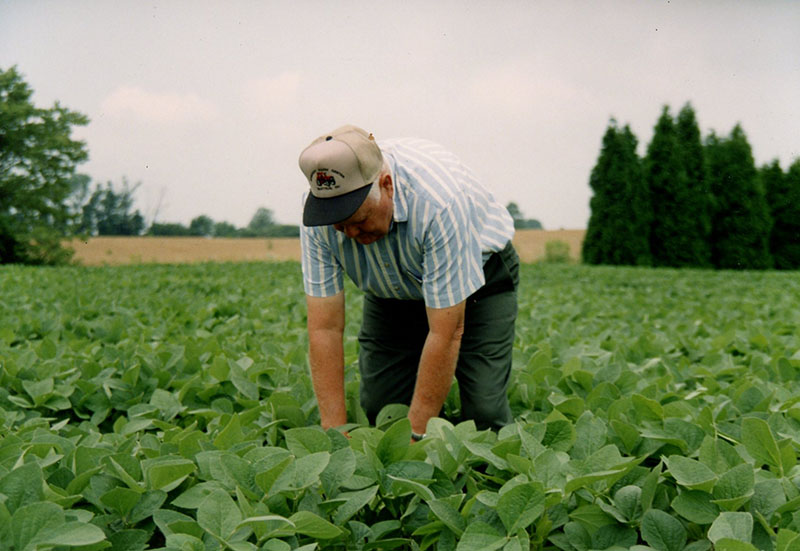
x=434, y=377
x=326, y=357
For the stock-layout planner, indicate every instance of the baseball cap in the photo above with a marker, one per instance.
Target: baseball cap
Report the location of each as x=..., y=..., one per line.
x=340, y=167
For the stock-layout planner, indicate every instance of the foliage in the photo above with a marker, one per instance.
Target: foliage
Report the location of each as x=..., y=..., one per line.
x=557, y=252
x=168, y=229
x=676, y=177
x=202, y=225
x=618, y=227
x=225, y=229
x=262, y=224
x=667, y=184
x=740, y=223
x=696, y=200
x=38, y=158
x=110, y=212
x=783, y=197
x=653, y=407
x=520, y=222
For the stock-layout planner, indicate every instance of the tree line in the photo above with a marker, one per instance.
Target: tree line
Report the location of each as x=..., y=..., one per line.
x=44, y=200
x=109, y=210
x=691, y=202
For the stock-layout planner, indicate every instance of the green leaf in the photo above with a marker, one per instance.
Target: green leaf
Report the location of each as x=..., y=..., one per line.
x=768, y=497
x=560, y=435
x=760, y=443
x=353, y=502
x=727, y=544
x=695, y=506
x=43, y=523
x=22, y=485
x=394, y=443
x=787, y=540
x=270, y=526
x=449, y=515
x=646, y=408
x=403, y=485
x=120, y=500
x=663, y=531
x=735, y=487
x=314, y=526
x=732, y=525
x=218, y=515
x=690, y=473
x=303, y=441
x=166, y=473
x=309, y=468
x=340, y=468
x=628, y=501
x=480, y=536
x=230, y=435
x=73, y=534
x=520, y=506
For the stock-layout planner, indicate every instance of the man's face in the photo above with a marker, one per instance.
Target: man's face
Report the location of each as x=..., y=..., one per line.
x=373, y=219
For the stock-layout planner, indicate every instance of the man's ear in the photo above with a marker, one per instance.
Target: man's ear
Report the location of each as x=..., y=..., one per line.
x=387, y=184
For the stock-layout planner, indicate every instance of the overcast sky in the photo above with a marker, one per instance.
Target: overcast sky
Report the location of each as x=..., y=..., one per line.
x=208, y=104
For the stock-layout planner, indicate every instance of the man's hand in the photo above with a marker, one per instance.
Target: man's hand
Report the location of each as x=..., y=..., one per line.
x=326, y=356
x=437, y=364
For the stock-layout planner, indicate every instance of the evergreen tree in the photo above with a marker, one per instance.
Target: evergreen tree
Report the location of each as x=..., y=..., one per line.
x=617, y=230
x=783, y=197
x=696, y=205
x=740, y=223
x=674, y=171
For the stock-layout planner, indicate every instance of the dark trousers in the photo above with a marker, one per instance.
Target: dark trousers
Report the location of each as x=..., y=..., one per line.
x=394, y=331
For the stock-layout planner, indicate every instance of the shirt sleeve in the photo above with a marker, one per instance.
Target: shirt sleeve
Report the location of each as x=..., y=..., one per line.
x=322, y=273
x=452, y=259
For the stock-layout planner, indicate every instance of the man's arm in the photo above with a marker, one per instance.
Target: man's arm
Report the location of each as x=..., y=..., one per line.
x=326, y=356
x=437, y=364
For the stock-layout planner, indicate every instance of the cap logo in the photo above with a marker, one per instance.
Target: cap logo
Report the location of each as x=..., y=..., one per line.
x=325, y=180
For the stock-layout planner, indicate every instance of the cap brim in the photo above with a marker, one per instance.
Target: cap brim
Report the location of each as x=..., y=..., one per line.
x=324, y=212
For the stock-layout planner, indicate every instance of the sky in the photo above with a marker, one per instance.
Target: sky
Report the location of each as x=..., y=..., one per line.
x=207, y=104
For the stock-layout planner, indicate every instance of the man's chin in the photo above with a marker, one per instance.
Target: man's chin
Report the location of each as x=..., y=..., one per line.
x=367, y=239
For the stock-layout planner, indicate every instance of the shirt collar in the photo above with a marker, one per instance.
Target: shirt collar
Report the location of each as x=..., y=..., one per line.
x=399, y=200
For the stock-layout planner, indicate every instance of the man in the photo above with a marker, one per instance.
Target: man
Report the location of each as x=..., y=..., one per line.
x=431, y=249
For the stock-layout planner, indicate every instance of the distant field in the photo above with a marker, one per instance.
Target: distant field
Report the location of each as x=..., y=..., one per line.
x=99, y=251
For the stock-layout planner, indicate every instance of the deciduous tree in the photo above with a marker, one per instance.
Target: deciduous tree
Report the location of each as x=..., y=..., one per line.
x=38, y=159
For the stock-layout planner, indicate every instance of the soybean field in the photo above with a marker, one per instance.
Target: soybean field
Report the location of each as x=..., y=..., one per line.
x=169, y=407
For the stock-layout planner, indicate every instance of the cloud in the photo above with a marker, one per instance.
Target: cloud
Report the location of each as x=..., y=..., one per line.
x=272, y=94
x=517, y=90
x=143, y=105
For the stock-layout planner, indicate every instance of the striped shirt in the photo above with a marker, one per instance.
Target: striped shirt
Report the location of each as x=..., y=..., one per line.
x=445, y=225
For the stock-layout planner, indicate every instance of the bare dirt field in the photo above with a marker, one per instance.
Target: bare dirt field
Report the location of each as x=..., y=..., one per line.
x=98, y=251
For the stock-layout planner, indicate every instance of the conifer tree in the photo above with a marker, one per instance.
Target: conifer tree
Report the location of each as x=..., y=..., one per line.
x=740, y=223
x=675, y=173
x=783, y=197
x=696, y=205
x=617, y=230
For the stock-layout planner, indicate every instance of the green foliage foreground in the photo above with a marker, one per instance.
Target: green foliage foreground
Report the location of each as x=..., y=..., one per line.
x=168, y=407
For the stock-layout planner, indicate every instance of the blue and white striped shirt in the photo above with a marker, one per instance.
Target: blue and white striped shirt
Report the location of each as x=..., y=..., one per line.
x=445, y=224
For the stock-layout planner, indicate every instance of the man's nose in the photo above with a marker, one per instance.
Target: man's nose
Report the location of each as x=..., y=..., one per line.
x=351, y=231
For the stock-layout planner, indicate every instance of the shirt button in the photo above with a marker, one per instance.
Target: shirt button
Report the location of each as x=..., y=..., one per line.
x=386, y=264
